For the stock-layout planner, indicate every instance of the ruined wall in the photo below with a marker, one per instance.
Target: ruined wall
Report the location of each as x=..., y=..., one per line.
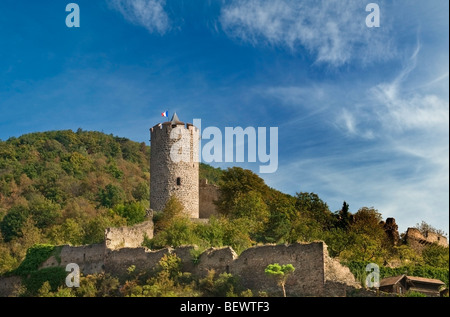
x=165, y=172
x=128, y=237
x=391, y=229
x=218, y=259
x=338, y=278
x=316, y=274
x=208, y=193
x=307, y=279
x=118, y=261
x=416, y=240
x=437, y=238
x=185, y=254
x=90, y=258
x=9, y=285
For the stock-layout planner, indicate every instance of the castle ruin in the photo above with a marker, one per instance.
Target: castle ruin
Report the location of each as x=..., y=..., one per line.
x=174, y=162
x=174, y=169
x=418, y=240
x=316, y=274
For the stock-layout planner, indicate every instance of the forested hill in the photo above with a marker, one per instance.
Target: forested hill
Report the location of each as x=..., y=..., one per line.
x=64, y=183
x=65, y=187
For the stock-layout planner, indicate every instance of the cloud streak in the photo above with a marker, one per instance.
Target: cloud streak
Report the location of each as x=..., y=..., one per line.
x=387, y=147
x=147, y=13
x=332, y=30
x=389, y=109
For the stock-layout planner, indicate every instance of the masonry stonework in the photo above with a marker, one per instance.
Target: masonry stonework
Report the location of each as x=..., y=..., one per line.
x=174, y=165
x=128, y=237
x=90, y=258
x=418, y=241
x=208, y=193
x=9, y=285
x=338, y=278
x=307, y=259
x=316, y=274
x=218, y=259
x=117, y=262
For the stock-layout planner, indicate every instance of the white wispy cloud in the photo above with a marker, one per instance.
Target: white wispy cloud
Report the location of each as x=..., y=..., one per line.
x=147, y=13
x=389, y=107
x=333, y=30
x=400, y=164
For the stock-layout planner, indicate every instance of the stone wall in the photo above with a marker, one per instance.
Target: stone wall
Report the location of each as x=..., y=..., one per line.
x=416, y=240
x=316, y=274
x=307, y=259
x=9, y=285
x=128, y=237
x=117, y=262
x=218, y=259
x=338, y=278
x=168, y=177
x=90, y=258
x=208, y=193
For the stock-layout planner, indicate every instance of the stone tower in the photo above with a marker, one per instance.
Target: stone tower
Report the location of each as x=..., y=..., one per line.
x=174, y=165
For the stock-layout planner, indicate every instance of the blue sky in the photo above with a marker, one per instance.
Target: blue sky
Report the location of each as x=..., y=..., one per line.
x=363, y=113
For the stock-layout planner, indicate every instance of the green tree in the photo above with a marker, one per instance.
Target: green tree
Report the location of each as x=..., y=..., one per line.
x=134, y=212
x=344, y=217
x=213, y=232
x=7, y=261
x=368, y=239
x=98, y=285
x=110, y=196
x=280, y=273
x=338, y=240
x=436, y=255
x=234, y=182
x=425, y=227
x=236, y=234
x=252, y=208
x=225, y=285
x=71, y=231
x=312, y=206
x=44, y=212
x=94, y=229
x=305, y=229
x=179, y=232
x=142, y=191
x=210, y=173
x=11, y=225
x=172, y=210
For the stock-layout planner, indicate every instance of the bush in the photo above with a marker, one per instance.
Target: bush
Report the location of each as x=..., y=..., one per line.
x=110, y=196
x=134, y=212
x=358, y=269
x=225, y=285
x=414, y=294
x=11, y=225
x=36, y=255
x=55, y=276
x=436, y=255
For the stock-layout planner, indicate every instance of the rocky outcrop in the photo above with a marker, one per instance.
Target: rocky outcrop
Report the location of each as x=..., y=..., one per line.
x=338, y=278
x=391, y=229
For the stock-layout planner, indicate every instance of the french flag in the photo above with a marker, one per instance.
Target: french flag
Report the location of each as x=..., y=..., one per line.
x=165, y=114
